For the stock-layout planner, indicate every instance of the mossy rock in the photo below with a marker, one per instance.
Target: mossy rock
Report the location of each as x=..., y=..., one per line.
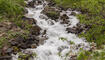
x=51, y=12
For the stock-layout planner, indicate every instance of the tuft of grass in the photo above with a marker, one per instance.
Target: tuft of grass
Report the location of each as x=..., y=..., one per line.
x=11, y=8
x=63, y=38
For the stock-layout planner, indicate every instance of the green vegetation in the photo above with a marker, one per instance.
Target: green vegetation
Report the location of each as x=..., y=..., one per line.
x=12, y=11
x=23, y=56
x=92, y=14
x=71, y=42
x=63, y=38
x=96, y=55
x=52, y=14
x=11, y=8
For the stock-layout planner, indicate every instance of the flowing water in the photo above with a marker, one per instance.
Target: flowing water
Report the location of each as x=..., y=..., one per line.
x=59, y=42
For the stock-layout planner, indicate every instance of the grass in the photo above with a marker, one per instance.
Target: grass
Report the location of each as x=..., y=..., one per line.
x=13, y=11
x=11, y=8
x=92, y=14
x=96, y=55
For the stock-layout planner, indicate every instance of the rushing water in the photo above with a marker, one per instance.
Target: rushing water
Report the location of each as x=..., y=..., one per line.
x=58, y=45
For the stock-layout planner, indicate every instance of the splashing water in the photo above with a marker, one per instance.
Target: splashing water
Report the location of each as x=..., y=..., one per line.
x=58, y=45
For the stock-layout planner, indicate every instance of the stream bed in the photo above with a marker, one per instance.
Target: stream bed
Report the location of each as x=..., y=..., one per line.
x=59, y=45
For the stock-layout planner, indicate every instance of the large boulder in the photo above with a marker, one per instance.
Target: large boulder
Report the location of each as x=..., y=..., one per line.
x=51, y=12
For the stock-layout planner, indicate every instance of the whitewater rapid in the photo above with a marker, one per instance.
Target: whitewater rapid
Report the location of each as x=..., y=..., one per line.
x=58, y=45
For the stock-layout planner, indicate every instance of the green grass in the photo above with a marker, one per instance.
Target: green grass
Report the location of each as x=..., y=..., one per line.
x=93, y=14
x=11, y=8
x=96, y=55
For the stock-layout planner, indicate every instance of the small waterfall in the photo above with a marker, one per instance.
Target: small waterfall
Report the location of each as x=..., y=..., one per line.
x=58, y=45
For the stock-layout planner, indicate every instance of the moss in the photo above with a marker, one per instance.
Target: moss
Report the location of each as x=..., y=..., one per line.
x=62, y=38
x=23, y=56
x=53, y=14
x=71, y=42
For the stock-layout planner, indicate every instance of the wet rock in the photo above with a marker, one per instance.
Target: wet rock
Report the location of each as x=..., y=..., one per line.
x=51, y=3
x=25, y=11
x=73, y=13
x=30, y=20
x=31, y=4
x=51, y=12
x=23, y=43
x=84, y=27
x=39, y=2
x=62, y=48
x=43, y=17
x=64, y=19
x=35, y=30
x=64, y=16
x=62, y=8
x=42, y=39
x=9, y=51
x=74, y=30
x=78, y=29
x=73, y=57
x=33, y=46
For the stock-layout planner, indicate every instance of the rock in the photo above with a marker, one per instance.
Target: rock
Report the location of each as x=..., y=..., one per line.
x=64, y=16
x=33, y=46
x=42, y=39
x=30, y=20
x=31, y=4
x=51, y=12
x=74, y=30
x=35, y=30
x=39, y=2
x=23, y=43
x=25, y=11
x=32, y=40
x=9, y=51
x=84, y=27
x=73, y=13
x=73, y=57
x=43, y=17
x=64, y=19
x=51, y=3
x=78, y=29
x=62, y=8
x=14, y=43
